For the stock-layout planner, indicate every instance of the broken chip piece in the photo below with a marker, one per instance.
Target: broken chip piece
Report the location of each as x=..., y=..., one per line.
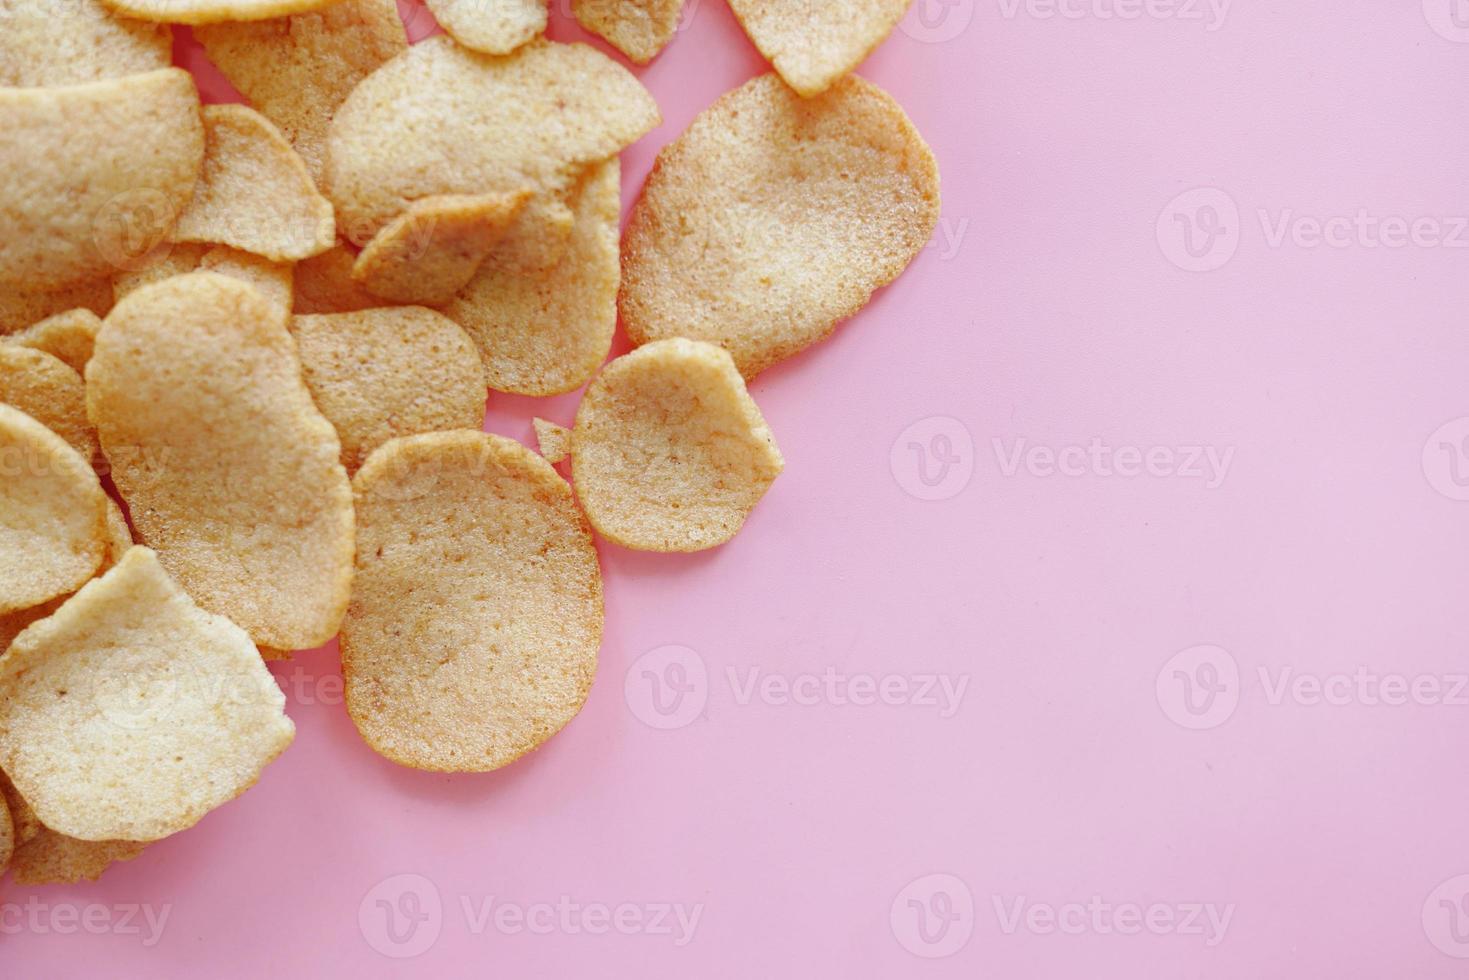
x=491, y=26
x=812, y=45
x=637, y=28
x=50, y=392
x=554, y=441
x=67, y=336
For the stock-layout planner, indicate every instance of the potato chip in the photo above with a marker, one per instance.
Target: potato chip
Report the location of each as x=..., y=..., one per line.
x=547, y=332
x=211, y=11
x=440, y=119
x=55, y=859
x=53, y=514
x=669, y=451
x=380, y=374
x=296, y=70
x=77, y=41
x=48, y=391
x=773, y=218
x=68, y=337
x=554, y=440
x=230, y=471
x=130, y=713
x=77, y=196
x=491, y=26
x=255, y=193
x=324, y=284
x=7, y=837
x=21, y=307
x=272, y=278
x=811, y=44
x=637, y=28
x=475, y=621
x=431, y=250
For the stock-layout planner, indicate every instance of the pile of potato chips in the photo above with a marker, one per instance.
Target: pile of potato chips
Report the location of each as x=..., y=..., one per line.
x=257, y=340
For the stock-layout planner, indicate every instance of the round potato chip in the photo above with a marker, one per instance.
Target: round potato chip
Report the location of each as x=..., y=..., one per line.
x=431, y=250
x=637, y=28
x=324, y=284
x=546, y=332
x=130, y=712
x=380, y=374
x=669, y=451
x=553, y=440
x=773, y=218
x=475, y=621
x=273, y=279
x=21, y=307
x=77, y=41
x=66, y=336
x=440, y=119
x=48, y=391
x=491, y=26
x=814, y=44
x=53, y=514
x=255, y=193
x=211, y=11
x=227, y=466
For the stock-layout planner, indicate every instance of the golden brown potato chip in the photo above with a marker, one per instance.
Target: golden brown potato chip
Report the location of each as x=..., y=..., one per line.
x=130, y=712
x=271, y=278
x=546, y=332
x=491, y=26
x=380, y=374
x=53, y=514
x=669, y=451
x=637, y=28
x=20, y=307
x=431, y=250
x=440, y=119
x=48, y=391
x=211, y=11
x=228, y=468
x=814, y=44
x=77, y=41
x=7, y=836
x=324, y=284
x=66, y=336
x=255, y=193
x=475, y=621
x=78, y=199
x=554, y=440
x=773, y=218
x=296, y=70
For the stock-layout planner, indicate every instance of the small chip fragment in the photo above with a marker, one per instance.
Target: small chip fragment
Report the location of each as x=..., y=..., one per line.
x=637, y=28
x=273, y=279
x=477, y=613
x=21, y=307
x=84, y=199
x=43, y=44
x=211, y=11
x=546, y=331
x=53, y=514
x=669, y=451
x=554, y=440
x=67, y=336
x=773, y=218
x=130, y=712
x=229, y=469
x=48, y=391
x=296, y=70
x=491, y=26
x=811, y=44
x=380, y=374
x=255, y=193
x=432, y=250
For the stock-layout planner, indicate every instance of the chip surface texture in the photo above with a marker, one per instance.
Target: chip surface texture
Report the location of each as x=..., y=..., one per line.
x=43, y=44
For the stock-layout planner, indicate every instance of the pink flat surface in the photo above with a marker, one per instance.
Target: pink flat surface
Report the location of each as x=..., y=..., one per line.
x=966, y=698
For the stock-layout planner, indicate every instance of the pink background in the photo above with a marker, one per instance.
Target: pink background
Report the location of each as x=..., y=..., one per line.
x=1054, y=312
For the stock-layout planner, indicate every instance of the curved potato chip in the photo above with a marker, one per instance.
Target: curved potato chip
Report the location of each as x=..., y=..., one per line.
x=380, y=374
x=73, y=195
x=48, y=391
x=211, y=11
x=296, y=70
x=475, y=621
x=812, y=45
x=130, y=712
x=53, y=514
x=431, y=250
x=77, y=41
x=491, y=26
x=554, y=440
x=68, y=337
x=773, y=218
x=255, y=193
x=230, y=471
x=21, y=307
x=546, y=332
x=273, y=279
x=324, y=284
x=669, y=451
x=637, y=28
x=440, y=119
x=55, y=859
